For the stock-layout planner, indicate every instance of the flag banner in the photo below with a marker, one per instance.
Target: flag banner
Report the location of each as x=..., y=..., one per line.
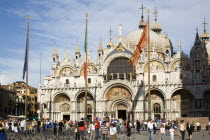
x=142, y=42
x=85, y=70
x=25, y=67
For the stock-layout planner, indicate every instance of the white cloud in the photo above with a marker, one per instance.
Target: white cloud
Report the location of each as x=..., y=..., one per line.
x=63, y=22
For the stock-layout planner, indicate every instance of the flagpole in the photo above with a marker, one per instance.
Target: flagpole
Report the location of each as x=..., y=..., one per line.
x=27, y=43
x=149, y=95
x=40, y=71
x=86, y=66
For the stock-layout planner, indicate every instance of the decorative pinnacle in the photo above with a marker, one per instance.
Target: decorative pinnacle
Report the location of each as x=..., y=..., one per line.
x=148, y=11
x=142, y=9
x=180, y=46
x=204, y=25
x=155, y=13
x=110, y=34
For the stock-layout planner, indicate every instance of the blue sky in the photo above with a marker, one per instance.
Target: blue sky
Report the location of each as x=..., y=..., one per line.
x=63, y=22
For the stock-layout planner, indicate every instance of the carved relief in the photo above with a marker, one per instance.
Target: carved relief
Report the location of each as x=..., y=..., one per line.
x=65, y=108
x=154, y=67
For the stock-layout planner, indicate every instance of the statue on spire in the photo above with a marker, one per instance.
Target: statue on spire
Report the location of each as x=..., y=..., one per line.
x=110, y=34
x=120, y=33
x=120, y=30
x=66, y=58
x=180, y=46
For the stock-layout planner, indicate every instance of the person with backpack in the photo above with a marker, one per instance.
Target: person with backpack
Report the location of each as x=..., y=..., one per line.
x=81, y=126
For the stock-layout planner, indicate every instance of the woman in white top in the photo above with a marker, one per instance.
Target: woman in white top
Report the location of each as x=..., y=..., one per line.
x=92, y=131
x=171, y=130
x=112, y=132
x=182, y=128
x=162, y=132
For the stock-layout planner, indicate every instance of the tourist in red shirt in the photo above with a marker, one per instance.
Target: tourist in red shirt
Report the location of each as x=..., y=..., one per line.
x=97, y=127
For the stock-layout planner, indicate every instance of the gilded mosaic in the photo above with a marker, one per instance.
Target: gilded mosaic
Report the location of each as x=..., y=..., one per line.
x=154, y=66
x=90, y=70
x=67, y=72
x=180, y=65
x=116, y=92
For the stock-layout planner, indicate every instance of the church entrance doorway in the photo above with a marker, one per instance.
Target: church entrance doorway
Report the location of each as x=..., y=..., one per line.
x=66, y=117
x=122, y=114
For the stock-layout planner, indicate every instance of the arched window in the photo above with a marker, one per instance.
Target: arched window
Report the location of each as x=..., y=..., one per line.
x=156, y=108
x=89, y=81
x=89, y=109
x=120, y=65
x=67, y=81
x=154, y=78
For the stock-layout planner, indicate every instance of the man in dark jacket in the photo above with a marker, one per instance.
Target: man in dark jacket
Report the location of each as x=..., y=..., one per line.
x=138, y=126
x=190, y=129
x=60, y=128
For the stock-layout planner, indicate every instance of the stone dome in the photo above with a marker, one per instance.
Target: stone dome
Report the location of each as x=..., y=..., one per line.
x=208, y=48
x=156, y=27
x=158, y=41
x=110, y=44
x=205, y=36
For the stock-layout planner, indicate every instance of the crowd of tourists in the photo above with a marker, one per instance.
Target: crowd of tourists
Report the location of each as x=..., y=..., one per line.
x=101, y=129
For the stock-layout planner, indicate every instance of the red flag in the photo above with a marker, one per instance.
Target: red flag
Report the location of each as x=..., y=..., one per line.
x=142, y=42
x=85, y=70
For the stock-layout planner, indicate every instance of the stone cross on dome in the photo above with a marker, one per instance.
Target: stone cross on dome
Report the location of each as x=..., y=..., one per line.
x=155, y=13
x=204, y=25
x=142, y=9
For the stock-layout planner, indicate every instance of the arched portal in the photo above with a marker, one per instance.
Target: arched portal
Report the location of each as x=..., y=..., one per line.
x=157, y=104
x=120, y=109
x=207, y=103
x=182, y=101
x=81, y=105
x=118, y=100
x=61, y=107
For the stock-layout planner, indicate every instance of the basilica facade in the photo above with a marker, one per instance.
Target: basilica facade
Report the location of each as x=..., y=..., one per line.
x=180, y=84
